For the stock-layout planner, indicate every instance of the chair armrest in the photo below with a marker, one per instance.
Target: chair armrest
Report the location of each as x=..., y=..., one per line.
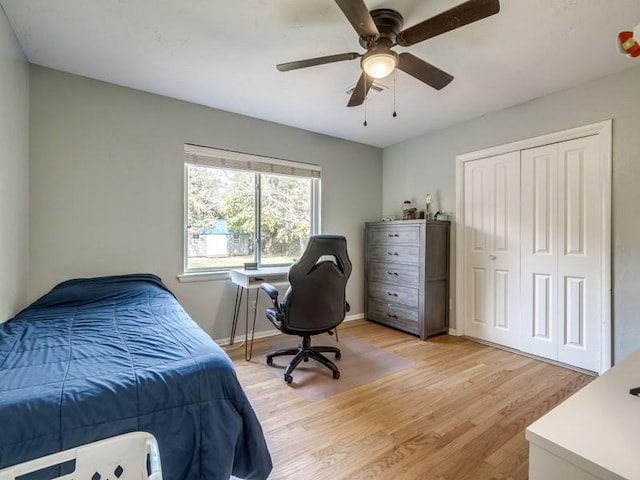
x=271, y=290
x=273, y=294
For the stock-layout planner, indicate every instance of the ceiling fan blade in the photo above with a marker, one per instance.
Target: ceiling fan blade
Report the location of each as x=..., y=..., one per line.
x=463, y=14
x=358, y=14
x=423, y=71
x=312, y=62
x=360, y=91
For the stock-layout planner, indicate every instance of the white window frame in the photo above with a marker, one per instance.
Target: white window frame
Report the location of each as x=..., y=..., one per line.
x=213, y=157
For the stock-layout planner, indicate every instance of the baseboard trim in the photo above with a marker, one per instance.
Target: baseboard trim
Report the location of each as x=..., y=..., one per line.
x=453, y=332
x=530, y=355
x=239, y=340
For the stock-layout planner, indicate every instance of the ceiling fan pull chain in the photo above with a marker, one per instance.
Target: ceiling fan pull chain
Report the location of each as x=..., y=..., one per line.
x=365, y=102
x=394, y=95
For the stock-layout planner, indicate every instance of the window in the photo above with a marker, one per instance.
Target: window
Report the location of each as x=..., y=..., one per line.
x=244, y=208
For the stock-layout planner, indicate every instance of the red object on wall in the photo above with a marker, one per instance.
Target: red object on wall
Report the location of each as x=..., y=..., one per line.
x=629, y=44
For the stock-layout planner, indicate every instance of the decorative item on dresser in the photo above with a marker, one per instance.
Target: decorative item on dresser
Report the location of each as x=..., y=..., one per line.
x=407, y=272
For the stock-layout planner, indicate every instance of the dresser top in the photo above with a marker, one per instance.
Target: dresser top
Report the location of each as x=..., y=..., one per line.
x=410, y=222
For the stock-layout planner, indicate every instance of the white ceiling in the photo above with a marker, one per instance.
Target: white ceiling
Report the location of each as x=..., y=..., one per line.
x=222, y=53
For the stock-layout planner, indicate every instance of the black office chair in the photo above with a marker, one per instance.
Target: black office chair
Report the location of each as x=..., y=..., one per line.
x=315, y=301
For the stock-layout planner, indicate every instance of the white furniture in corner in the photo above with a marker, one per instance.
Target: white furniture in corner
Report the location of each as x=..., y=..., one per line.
x=595, y=434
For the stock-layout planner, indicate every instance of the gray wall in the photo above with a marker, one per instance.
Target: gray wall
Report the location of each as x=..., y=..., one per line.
x=14, y=171
x=107, y=186
x=427, y=164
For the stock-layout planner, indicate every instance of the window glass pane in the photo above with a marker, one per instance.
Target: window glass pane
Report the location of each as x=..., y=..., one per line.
x=220, y=217
x=285, y=222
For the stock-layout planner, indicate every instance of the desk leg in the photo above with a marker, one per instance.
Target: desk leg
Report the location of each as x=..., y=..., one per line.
x=248, y=350
x=236, y=313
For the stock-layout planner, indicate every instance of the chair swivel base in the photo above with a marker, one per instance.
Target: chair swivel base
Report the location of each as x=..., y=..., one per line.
x=305, y=352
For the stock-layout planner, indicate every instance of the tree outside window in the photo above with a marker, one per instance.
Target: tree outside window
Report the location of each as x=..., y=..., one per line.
x=237, y=216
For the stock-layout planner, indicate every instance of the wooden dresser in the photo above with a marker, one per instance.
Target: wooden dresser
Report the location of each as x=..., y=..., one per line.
x=407, y=275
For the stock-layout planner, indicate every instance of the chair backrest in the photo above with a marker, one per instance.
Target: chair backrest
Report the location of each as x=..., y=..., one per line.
x=315, y=301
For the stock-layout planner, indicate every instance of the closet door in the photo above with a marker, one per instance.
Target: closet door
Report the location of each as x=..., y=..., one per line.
x=492, y=248
x=561, y=252
x=539, y=242
x=580, y=252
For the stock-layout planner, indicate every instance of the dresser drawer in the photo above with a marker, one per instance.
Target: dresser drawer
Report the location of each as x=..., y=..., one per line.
x=403, y=318
x=408, y=275
x=390, y=293
x=394, y=235
x=395, y=253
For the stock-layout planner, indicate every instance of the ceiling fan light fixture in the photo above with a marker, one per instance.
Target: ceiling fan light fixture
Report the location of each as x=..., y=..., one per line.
x=379, y=64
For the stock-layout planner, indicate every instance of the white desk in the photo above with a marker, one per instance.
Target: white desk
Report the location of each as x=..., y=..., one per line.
x=246, y=280
x=594, y=434
x=253, y=278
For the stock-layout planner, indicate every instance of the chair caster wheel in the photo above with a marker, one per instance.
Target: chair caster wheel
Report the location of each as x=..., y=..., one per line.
x=338, y=356
x=269, y=361
x=288, y=378
x=336, y=375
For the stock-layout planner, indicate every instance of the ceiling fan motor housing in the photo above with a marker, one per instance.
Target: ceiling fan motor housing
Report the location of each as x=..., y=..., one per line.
x=389, y=23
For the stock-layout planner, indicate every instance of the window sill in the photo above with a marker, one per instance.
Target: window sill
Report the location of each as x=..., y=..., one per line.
x=203, y=276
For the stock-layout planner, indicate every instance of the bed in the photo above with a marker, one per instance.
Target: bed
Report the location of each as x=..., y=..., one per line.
x=99, y=357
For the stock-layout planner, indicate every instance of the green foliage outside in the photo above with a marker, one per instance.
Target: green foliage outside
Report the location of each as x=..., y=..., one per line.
x=218, y=194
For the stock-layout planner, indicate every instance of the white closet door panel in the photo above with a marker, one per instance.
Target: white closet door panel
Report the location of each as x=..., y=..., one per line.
x=580, y=253
x=574, y=312
x=543, y=325
x=501, y=227
x=479, y=298
x=479, y=208
x=477, y=211
x=501, y=290
x=476, y=214
x=539, y=255
x=505, y=260
x=492, y=220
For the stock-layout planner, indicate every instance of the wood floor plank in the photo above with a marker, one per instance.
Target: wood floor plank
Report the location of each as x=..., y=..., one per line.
x=460, y=412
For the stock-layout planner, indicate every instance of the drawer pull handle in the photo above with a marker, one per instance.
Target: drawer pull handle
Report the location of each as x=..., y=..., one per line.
x=392, y=315
x=392, y=294
x=392, y=273
x=392, y=235
x=392, y=253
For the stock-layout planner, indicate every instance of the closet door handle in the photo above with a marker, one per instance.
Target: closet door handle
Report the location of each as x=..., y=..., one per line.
x=492, y=257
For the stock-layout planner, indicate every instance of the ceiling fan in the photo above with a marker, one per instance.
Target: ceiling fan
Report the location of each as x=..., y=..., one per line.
x=380, y=30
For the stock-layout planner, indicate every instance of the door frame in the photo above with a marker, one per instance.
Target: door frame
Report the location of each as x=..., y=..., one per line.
x=604, y=132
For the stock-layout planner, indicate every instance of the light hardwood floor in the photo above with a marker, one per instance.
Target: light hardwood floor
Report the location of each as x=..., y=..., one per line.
x=459, y=413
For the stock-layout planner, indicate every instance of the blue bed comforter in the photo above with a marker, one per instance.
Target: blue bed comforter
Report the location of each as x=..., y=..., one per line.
x=99, y=357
